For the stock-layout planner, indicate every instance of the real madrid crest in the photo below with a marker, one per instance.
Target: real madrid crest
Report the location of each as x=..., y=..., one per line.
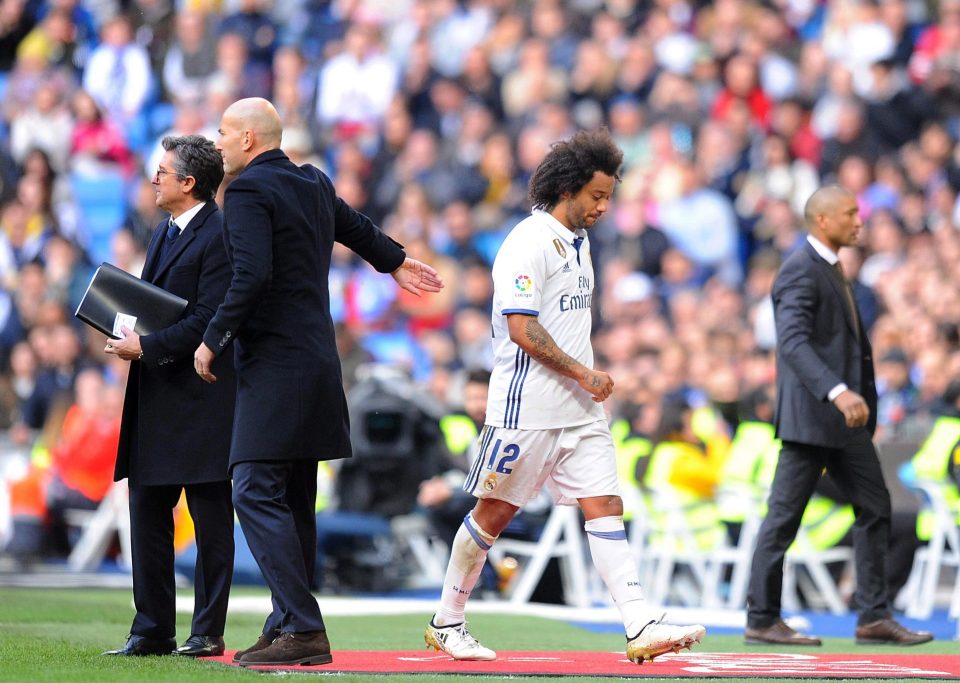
x=559, y=247
x=490, y=483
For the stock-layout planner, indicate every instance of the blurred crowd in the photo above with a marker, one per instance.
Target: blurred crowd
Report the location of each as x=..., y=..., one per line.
x=430, y=116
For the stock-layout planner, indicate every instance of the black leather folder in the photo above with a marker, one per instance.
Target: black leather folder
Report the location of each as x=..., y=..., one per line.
x=113, y=291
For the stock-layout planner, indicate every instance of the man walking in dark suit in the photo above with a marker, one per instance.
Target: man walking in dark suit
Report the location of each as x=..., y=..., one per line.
x=280, y=223
x=826, y=414
x=175, y=431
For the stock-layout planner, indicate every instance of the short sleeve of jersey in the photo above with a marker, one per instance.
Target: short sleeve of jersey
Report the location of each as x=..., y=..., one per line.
x=519, y=277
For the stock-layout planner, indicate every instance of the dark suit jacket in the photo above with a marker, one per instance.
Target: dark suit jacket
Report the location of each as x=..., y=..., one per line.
x=280, y=223
x=817, y=349
x=176, y=428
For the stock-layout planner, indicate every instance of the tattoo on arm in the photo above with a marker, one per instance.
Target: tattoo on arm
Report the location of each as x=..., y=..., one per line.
x=541, y=346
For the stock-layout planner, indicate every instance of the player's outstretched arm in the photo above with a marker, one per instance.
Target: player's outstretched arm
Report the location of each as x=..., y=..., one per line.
x=527, y=333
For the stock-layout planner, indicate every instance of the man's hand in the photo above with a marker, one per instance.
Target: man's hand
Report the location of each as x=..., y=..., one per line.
x=127, y=348
x=599, y=384
x=202, y=360
x=434, y=492
x=855, y=410
x=417, y=277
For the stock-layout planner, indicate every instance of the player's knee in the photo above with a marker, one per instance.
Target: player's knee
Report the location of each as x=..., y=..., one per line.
x=493, y=515
x=602, y=506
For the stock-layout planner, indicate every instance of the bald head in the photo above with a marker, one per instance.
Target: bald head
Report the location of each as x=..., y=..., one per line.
x=248, y=128
x=833, y=217
x=823, y=201
x=259, y=116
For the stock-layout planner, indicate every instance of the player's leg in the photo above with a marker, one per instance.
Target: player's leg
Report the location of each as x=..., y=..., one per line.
x=647, y=636
x=586, y=471
x=508, y=471
x=479, y=530
x=447, y=630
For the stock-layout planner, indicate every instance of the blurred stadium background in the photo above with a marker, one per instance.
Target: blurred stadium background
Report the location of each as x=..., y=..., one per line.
x=430, y=116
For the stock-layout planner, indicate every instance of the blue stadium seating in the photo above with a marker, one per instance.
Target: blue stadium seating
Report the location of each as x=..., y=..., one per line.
x=101, y=204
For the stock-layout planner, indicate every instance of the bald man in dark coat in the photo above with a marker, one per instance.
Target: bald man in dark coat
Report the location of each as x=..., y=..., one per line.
x=280, y=225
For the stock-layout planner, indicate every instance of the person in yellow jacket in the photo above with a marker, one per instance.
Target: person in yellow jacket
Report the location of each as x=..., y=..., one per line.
x=937, y=464
x=937, y=460
x=685, y=470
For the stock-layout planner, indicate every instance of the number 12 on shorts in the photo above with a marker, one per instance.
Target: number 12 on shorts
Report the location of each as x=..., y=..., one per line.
x=510, y=453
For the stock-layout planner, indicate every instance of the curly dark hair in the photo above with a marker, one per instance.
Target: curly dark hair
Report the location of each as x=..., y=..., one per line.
x=570, y=164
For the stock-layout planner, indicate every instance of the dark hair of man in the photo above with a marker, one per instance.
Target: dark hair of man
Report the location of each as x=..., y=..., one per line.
x=195, y=155
x=478, y=376
x=571, y=164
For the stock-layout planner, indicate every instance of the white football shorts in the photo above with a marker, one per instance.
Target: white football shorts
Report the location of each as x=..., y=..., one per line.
x=514, y=464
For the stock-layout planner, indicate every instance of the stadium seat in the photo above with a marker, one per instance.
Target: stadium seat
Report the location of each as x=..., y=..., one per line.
x=113, y=515
x=101, y=203
x=942, y=550
x=562, y=537
x=668, y=543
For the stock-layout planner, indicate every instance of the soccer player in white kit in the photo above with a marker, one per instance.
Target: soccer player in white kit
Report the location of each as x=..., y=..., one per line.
x=545, y=424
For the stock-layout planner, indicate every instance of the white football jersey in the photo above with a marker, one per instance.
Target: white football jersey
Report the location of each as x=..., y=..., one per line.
x=542, y=269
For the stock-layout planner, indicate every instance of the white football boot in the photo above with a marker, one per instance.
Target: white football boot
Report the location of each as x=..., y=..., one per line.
x=657, y=638
x=457, y=642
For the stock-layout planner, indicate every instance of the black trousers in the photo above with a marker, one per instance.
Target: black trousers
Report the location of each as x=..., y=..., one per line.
x=856, y=470
x=151, y=531
x=276, y=503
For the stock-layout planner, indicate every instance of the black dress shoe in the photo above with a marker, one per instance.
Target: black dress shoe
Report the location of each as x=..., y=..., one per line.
x=201, y=646
x=890, y=632
x=140, y=646
x=777, y=633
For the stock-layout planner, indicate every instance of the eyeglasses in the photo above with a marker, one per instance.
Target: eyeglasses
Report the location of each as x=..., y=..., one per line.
x=160, y=172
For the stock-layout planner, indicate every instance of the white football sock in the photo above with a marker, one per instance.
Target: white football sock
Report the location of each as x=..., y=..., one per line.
x=467, y=556
x=618, y=569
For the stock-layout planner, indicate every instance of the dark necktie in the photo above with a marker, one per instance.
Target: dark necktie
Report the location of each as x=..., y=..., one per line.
x=848, y=295
x=173, y=232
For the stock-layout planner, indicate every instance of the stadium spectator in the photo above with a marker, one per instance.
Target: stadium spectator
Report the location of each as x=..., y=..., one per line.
x=190, y=59
x=669, y=68
x=96, y=145
x=118, y=73
x=356, y=86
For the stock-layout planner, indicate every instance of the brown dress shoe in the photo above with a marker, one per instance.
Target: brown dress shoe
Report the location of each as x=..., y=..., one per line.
x=310, y=647
x=262, y=643
x=777, y=633
x=890, y=632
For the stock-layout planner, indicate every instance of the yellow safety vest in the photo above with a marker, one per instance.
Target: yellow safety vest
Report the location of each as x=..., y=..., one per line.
x=629, y=450
x=325, y=483
x=741, y=496
x=700, y=513
x=932, y=462
x=459, y=432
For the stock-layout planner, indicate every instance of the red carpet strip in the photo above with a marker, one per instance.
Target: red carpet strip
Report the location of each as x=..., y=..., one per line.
x=699, y=664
